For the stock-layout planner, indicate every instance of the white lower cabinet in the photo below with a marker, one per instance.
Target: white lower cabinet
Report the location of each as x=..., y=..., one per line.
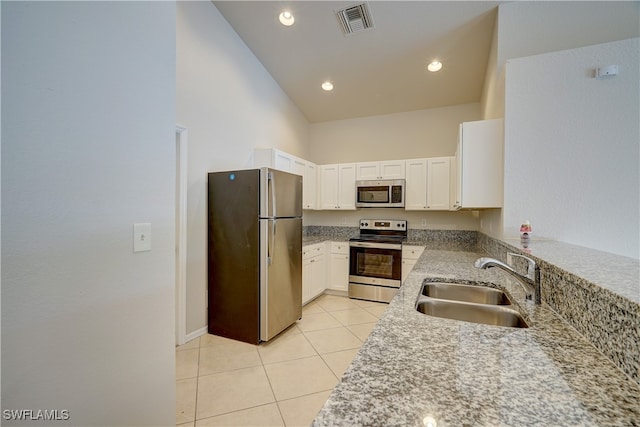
x=314, y=271
x=410, y=255
x=339, y=267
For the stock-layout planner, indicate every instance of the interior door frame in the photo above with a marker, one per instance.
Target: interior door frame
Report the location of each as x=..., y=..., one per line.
x=182, y=136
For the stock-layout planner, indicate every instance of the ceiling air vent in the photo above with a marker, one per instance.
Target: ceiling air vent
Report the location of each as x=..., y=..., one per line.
x=355, y=18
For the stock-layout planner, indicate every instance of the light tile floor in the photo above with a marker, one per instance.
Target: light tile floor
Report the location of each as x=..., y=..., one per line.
x=283, y=382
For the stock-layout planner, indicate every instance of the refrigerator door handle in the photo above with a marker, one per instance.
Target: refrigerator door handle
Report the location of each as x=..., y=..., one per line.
x=272, y=240
x=272, y=187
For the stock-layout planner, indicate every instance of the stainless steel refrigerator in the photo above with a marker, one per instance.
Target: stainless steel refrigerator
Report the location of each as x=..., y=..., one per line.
x=255, y=253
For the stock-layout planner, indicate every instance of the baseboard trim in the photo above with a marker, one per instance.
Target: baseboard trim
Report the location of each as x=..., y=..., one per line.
x=195, y=334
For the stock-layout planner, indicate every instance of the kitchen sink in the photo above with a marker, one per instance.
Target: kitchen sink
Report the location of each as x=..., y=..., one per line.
x=469, y=303
x=471, y=312
x=467, y=293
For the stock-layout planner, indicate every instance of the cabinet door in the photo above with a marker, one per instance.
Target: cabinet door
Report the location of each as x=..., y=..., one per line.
x=282, y=161
x=394, y=169
x=347, y=186
x=438, y=183
x=453, y=183
x=298, y=166
x=412, y=252
x=309, y=192
x=306, y=280
x=407, y=266
x=480, y=165
x=458, y=194
x=368, y=170
x=319, y=275
x=329, y=178
x=339, y=268
x=416, y=185
x=410, y=255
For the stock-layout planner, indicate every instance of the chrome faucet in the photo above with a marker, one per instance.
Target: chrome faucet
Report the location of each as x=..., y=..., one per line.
x=530, y=283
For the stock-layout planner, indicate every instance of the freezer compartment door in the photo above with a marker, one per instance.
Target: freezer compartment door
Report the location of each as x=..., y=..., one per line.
x=281, y=194
x=281, y=275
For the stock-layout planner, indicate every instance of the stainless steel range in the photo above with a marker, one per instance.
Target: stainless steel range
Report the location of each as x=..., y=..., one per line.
x=375, y=259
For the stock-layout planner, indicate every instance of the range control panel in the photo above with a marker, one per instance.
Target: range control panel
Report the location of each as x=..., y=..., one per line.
x=383, y=224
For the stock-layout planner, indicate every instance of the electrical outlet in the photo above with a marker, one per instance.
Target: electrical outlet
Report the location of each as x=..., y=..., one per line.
x=142, y=237
x=423, y=223
x=344, y=220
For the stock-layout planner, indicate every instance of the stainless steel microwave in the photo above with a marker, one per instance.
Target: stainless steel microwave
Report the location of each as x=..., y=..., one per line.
x=383, y=193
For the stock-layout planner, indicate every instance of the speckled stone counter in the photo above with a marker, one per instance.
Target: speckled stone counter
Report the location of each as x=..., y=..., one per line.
x=597, y=293
x=415, y=368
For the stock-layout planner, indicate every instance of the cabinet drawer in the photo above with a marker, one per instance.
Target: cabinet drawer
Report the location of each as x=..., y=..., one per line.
x=340, y=248
x=312, y=250
x=412, y=252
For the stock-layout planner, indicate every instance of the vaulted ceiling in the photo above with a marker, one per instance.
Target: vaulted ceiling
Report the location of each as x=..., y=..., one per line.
x=380, y=70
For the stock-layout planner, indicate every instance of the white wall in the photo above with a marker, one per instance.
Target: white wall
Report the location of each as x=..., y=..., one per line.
x=572, y=147
x=534, y=27
x=88, y=149
x=230, y=105
x=527, y=28
x=422, y=133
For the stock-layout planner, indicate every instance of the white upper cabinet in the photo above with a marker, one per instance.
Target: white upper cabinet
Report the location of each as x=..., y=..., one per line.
x=298, y=166
x=415, y=192
x=309, y=184
x=276, y=159
x=479, y=165
x=393, y=169
x=338, y=186
x=428, y=184
x=438, y=190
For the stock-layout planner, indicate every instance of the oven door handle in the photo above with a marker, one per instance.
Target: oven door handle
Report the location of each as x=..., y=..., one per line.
x=375, y=245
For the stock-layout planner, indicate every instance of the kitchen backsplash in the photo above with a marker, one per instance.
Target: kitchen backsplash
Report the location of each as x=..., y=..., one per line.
x=330, y=232
x=432, y=239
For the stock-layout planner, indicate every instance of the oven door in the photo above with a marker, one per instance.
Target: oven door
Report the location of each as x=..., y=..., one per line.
x=375, y=264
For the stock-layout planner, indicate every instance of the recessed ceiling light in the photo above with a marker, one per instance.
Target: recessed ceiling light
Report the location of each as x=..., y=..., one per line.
x=434, y=66
x=286, y=18
x=327, y=86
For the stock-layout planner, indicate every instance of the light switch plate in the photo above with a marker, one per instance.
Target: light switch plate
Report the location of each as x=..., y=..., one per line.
x=142, y=237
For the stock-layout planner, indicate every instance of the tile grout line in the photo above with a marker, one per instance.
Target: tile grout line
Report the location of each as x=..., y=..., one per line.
x=317, y=310
x=195, y=412
x=275, y=400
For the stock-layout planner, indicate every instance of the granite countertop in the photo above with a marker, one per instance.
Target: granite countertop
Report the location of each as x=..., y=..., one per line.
x=617, y=274
x=312, y=240
x=415, y=369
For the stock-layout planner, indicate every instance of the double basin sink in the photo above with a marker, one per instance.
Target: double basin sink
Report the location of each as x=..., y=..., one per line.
x=469, y=303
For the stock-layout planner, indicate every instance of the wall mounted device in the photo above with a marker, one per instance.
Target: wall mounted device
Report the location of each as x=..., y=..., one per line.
x=610, y=70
